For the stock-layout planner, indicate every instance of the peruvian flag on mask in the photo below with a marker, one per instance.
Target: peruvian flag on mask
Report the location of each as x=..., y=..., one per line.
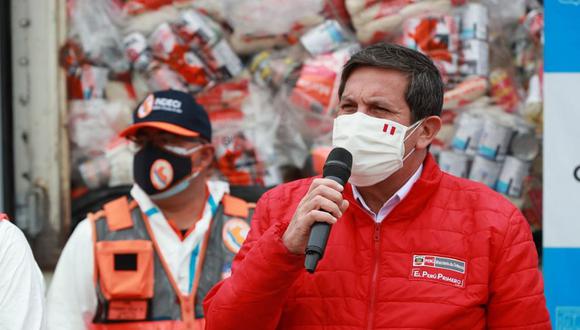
x=389, y=129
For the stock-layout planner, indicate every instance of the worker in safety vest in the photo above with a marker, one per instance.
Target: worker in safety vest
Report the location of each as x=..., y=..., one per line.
x=146, y=261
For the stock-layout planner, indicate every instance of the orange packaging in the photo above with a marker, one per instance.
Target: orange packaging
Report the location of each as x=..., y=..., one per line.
x=503, y=90
x=135, y=7
x=464, y=93
x=315, y=87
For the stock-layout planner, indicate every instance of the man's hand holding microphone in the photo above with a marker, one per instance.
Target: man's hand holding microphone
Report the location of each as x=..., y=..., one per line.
x=320, y=208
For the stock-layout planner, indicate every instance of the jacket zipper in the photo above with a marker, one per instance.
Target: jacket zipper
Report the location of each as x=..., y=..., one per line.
x=373, y=293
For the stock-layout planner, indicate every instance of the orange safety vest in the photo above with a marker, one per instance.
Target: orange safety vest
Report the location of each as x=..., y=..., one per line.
x=135, y=289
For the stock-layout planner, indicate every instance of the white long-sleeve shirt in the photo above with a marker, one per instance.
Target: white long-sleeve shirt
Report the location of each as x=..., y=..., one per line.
x=21, y=282
x=72, y=298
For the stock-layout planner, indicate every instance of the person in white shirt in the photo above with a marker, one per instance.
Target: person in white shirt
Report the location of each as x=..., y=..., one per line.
x=147, y=262
x=21, y=282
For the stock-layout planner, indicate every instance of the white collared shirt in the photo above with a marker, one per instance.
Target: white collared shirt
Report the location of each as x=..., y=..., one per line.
x=393, y=201
x=177, y=253
x=72, y=298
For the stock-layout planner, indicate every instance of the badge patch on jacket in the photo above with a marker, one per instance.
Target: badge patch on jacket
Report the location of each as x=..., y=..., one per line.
x=234, y=234
x=440, y=269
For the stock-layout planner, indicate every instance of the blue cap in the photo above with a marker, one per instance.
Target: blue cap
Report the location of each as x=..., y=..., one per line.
x=171, y=111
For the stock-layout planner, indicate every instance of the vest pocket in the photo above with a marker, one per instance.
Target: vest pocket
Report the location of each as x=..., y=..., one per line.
x=125, y=269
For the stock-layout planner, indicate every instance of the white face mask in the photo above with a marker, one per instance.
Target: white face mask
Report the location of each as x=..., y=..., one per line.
x=377, y=146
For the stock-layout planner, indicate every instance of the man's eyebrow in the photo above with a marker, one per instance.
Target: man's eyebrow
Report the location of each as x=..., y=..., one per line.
x=381, y=101
x=346, y=98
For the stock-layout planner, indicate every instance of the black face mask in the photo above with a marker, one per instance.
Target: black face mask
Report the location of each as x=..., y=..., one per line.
x=156, y=170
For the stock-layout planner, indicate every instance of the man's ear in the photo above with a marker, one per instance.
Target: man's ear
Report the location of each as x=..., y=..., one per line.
x=428, y=131
x=206, y=155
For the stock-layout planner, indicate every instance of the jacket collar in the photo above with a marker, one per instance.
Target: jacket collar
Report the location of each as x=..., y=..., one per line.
x=417, y=199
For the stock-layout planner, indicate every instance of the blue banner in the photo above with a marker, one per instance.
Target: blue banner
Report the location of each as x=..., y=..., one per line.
x=561, y=260
x=562, y=36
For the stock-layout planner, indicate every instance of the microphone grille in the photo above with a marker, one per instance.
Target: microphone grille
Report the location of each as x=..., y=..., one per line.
x=342, y=155
x=338, y=164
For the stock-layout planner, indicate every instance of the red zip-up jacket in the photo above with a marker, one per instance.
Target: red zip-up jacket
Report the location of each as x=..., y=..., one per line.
x=453, y=254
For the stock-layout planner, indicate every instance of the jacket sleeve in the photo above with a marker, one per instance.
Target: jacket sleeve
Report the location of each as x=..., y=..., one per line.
x=262, y=274
x=516, y=287
x=72, y=299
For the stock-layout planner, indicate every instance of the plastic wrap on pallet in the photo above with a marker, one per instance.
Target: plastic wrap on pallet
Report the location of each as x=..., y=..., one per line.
x=325, y=38
x=436, y=36
x=135, y=7
x=270, y=84
x=317, y=86
x=274, y=68
x=252, y=33
x=92, y=125
x=243, y=151
x=465, y=93
x=382, y=20
x=247, y=17
x=261, y=127
x=94, y=22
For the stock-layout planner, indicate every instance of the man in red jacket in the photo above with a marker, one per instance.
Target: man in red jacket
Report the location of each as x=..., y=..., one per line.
x=410, y=247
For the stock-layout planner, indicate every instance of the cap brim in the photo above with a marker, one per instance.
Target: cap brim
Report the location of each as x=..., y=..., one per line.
x=167, y=127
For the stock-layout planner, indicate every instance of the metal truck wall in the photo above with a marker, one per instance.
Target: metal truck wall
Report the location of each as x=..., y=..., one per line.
x=6, y=182
x=40, y=150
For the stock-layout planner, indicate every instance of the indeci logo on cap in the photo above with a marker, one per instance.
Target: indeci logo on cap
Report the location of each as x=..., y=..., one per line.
x=167, y=104
x=146, y=107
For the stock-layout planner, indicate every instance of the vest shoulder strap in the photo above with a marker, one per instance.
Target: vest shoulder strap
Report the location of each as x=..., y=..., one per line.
x=236, y=207
x=118, y=214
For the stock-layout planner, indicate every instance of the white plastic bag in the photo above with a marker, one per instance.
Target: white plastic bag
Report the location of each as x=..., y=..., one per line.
x=269, y=17
x=94, y=23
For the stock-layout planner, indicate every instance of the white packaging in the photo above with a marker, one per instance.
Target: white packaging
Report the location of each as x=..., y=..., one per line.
x=226, y=58
x=324, y=38
x=163, y=41
x=474, y=22
x=446, y=32
x=468, y=133
x=524, y=145
x=93, y=81
x=495, y=140
x=120, y=159
x=475, y=58
x=454, y=163
x=512, y=176
x=95, y=172
x=194, y=24
x=135, y=45
x=485, y=171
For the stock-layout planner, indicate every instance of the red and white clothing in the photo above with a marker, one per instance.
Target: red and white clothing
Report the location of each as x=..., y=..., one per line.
x=393, y=201
x=451, y=255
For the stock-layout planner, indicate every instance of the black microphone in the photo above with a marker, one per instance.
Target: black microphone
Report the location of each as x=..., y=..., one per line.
x=337, y=168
